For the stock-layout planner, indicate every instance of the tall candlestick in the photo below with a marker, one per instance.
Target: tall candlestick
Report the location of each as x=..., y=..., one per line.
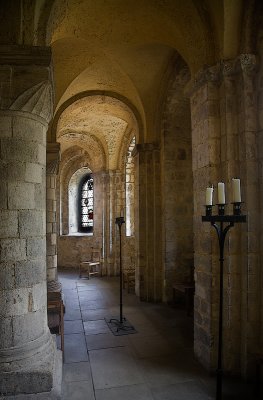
x=209, y=196
x=236, y=190
x=221, y=193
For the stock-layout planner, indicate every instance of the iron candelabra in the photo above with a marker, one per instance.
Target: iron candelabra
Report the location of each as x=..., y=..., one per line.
x=218, y=221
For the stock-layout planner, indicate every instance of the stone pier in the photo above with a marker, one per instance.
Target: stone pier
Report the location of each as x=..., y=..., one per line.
x=28, y=355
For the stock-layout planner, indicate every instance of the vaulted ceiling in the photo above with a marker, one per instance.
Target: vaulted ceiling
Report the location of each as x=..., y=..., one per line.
x=123, y=51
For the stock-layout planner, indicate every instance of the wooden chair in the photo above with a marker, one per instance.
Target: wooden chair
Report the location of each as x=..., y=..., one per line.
x=92, y=266
x=55, y=310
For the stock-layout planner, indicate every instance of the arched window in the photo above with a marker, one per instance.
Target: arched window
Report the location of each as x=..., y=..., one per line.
x=86, y=204
x=130, y=189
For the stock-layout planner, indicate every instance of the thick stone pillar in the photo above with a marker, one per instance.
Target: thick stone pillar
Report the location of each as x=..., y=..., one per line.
x=27, y=350
x=205, y=161
x=177, y=185
x=149, y=274
x=251, y=282
x=52, y=170
x=115, y=205
x=223, y=110
x=260, y=155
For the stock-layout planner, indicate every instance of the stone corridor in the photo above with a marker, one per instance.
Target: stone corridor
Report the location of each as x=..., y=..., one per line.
x=156, y=363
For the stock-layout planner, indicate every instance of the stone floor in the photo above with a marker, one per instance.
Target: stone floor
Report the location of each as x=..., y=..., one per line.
x=156, y=363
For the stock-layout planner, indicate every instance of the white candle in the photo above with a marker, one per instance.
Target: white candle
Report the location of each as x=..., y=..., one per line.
x=236, y=190
x=209, y=196
x=221, y=193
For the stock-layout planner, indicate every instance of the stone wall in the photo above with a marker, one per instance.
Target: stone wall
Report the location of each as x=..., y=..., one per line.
x=73, y=248
x=177, y=183
x=148, y=226
x=51, y=210
x=223, y=107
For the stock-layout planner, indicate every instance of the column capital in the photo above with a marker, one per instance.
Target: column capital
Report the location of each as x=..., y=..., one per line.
x=248, y=63
x=145, y=147
x=244, y=63
x=26, y=80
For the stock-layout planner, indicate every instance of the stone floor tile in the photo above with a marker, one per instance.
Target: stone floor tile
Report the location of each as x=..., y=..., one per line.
x=95, y=327
x=161, y=371
x=189, y=390
x=72, y=314
x=75, y=348
x=86, y=287
x=132, y=367
x=133, y=392
x=92, y=315
x=82, y=282
x=114, y=367
x=67, y=284
x=106, y=340
x=144, y=329
x=73, y=326
x=75, y=372
x=71, y=303
x=137, y=317
x=77, y=391
x=70, y=292
x=92, y=304
x=89, y=295
x=149, y=346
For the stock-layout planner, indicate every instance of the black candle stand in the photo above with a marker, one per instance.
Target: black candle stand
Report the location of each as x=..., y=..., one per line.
x=120, y=326
x=217, y=221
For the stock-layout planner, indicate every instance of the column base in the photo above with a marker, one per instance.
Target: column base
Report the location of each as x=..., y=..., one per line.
x=36, y=383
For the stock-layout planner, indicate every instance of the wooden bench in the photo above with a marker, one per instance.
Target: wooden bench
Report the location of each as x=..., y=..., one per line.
x=55, y=311
x=188, y=289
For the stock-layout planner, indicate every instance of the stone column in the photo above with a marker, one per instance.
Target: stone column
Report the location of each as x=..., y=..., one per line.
x=260, y=151
x=251, y=282
x=224, y=128
x=149, y=274
x=177, y=185
x=52, y=170
x=27, y=350
x=206, y=151
x=114, y=207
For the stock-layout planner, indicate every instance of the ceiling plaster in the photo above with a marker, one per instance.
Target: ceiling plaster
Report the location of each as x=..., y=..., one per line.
x=98, y=124
x=126, y=48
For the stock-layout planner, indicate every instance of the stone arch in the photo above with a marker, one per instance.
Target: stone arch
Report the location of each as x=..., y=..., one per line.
x=72, y=160
x=90, y=144
x=103, y=94
x=73, y=198
x=72, y=246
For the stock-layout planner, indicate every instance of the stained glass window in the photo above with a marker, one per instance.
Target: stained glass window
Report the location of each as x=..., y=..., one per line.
x=86, y=199
x=130, y=189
